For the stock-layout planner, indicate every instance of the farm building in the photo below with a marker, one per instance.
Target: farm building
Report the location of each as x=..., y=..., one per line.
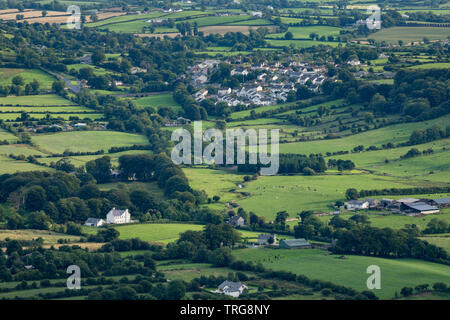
x=264, y=239
x=418, y=208
x=294, y=244
x=357, y=204
x=116, y=216
x=94, y=222
x=233, y=289
x=441, y=203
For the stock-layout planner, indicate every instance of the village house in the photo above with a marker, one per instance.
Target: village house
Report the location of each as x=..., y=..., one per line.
x=94, y=222
x=233, y=289
x=116, y=216
x=266, y=239
x=237, y=221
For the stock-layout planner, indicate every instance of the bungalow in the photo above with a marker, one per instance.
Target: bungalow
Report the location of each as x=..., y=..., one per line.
x=266, y=239
x=94, y=222
x=357, y=204
x=233, y=289
x=294, y=244
x=116, y=216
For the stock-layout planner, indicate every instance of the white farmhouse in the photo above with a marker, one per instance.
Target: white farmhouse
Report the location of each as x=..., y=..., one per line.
x=94, y=222
x=233, y=289
x=357, y=205
x=116, y=216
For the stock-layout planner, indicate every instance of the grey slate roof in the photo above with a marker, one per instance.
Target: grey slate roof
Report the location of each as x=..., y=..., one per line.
x=295, y=243
x=420, y=206
x=442, y=201
x=93, y=220
x=232, y=286
x=116, y=212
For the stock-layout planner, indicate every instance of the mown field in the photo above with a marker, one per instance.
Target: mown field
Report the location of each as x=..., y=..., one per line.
x=28, y=75
x=85, y=141
x=409, y=34
x=318, y=264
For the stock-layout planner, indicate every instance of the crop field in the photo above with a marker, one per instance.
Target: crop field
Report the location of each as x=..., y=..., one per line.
x=351, y=272
x=409, y=34
x=297, y=193
x=86, y=141
x=45, y=80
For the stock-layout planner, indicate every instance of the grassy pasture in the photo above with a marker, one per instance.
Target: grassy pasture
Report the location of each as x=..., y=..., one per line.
x=39, y=100
x=441, y=65
x=8, y=165
x=304, y=32
x=85, y=141
x=49, y=237
x=351, y=272
x=409, y=34
x=5, y=135
x=152, y=232
x=300, y=43
x=395, y=134
x=157, y=101
x=270, y=194
x=45, y=80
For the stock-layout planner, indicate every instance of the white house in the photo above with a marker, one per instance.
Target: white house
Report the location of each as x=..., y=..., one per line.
x=94, y=222
x=116, y=216
x=233, y=289
x=357, y=205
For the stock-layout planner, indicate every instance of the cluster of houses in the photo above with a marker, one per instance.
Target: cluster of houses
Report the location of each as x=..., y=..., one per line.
x=272, y=85
x=114, y=216
x=407, y=206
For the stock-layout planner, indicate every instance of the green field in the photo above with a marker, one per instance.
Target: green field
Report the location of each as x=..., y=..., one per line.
x=270, y=194
x=409, y=34
x=158, y=100
x=45, y=80
x=40, y=100
x=85, y=141
x=304, y=32
x=350, y=272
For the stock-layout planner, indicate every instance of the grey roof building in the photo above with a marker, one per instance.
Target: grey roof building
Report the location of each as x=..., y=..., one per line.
x=419, y=207
x=294, y=244
x=237, y=221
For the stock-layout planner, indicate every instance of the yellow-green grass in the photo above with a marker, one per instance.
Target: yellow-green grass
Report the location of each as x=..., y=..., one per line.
x=437, y=65
x=96, y=70
x=7, y=74
x=304, y=32
x=49, y=237
x=409, y=34
x=134, y=185
x=19, y=149
x=85, y=141
x=189, y=271
x=158, y=100
x=394, y=221
x=124, y=18
x=5, y=135
x=214, y=182
x=81, y=160
x=156, y=232
x=395, y=134
x=214, y=20
x=34, y=292
x=64, y=116
x=20, y=109
x=252, y=22
x=8, y=165
x=443, y=242
x=350, y=272
x=270, y=194
x=38, y=100
x=300, y=43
